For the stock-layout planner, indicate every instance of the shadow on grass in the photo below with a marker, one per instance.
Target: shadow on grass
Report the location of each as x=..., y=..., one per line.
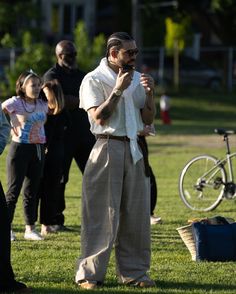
x=102, y=290
x=162, y=287
x=71, y=229
x=193, y=128
x=193, y=287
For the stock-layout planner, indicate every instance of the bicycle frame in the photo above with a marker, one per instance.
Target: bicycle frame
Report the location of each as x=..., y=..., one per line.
x=219, y=164
x=209, y=178
x=230, y=167
x=228, y=158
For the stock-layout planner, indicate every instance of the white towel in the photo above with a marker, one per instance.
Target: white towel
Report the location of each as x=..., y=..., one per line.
x=108, y=76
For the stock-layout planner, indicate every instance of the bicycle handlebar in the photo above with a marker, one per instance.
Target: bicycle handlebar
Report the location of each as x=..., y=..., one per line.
x=224, y=132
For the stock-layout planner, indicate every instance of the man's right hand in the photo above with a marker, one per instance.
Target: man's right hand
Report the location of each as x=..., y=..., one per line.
x=123, y=79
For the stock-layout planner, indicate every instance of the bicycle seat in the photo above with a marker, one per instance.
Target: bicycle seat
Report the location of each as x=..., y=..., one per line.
x=224, y=132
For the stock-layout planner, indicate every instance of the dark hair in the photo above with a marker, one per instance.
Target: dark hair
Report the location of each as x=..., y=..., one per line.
x=65, y=45
x=22, y=80
x=56, y=91
x=116, y=40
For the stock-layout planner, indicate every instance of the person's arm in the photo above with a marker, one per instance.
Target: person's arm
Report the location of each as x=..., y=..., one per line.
x=104, y=111
x=149, y=110
x=4, y=130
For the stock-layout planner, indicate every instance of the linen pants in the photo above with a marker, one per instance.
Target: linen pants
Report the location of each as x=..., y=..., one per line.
x=24, y=167
x=115, y=210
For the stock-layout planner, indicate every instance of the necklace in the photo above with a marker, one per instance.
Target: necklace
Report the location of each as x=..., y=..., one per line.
x=25, y=106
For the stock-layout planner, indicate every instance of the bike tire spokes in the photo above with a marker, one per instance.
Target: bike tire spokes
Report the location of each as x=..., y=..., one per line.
x=201, y=183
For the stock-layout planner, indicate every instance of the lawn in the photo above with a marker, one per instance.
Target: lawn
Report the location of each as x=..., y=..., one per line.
x=48, y=266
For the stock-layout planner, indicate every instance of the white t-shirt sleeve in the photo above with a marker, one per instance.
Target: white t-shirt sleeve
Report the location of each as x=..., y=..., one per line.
x=91, y=93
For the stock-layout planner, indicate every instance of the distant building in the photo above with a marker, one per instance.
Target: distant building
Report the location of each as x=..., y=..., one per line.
x=59, y=17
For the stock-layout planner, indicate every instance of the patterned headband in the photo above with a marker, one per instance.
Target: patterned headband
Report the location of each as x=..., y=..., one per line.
x=30, y=75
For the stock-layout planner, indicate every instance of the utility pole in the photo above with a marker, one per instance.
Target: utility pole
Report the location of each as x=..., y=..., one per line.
x=136, y=29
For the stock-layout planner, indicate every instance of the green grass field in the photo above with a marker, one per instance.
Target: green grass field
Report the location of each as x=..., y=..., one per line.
x=48, y=266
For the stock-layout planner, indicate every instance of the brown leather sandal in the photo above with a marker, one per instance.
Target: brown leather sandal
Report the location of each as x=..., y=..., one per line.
x=90, y=285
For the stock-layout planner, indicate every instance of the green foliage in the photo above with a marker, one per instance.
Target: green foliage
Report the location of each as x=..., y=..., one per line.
x=154, y=20
x=7, y=41
x=39, y=56
x=26, y=40
x=216, y=15
x=89, y=52
x=221, y=5
x=36, y=56
x=17, y=16
x=6, y=10
x=177, y=31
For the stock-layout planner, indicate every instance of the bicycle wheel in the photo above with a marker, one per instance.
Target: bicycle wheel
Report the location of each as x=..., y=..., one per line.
x=201, y=183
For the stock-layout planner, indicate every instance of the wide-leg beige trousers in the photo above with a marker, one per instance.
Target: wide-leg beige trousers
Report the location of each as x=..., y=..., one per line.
x=115, y=211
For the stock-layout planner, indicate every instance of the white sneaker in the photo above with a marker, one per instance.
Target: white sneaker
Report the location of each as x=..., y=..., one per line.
x=33, y=235
x=45, y=230
x=13, y=236
x=154, y=220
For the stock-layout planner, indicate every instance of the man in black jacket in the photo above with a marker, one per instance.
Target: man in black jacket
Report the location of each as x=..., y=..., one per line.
x=78, y=141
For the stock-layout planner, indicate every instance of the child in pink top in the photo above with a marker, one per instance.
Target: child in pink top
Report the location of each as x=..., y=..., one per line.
x=25, y=159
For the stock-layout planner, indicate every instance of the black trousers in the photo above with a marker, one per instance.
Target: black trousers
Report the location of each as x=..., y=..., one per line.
x=24, y=168
x=50, y=183
x=77, y=148
x=6, y=272
x=153, y=190
x=153, y=182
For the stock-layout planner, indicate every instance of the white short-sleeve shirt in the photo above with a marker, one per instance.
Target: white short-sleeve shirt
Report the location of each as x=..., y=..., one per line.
x=94, y=92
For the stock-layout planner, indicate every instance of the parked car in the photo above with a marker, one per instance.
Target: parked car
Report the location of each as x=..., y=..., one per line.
x=191, y=72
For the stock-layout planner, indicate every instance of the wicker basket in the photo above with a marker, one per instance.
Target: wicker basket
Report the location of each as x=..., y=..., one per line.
x=186, y=235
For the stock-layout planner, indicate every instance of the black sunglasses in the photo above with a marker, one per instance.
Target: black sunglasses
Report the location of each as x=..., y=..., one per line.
x=69, y=54
x=131, y=52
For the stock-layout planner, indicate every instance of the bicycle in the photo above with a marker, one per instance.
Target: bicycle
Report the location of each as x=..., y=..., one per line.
x=206, y=180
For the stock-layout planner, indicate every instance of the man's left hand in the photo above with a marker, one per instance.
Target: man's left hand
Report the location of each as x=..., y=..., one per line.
x=147, y=82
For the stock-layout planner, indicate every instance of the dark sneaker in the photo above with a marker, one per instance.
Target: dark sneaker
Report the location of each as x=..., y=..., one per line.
x=14, y=287
x=60, y=228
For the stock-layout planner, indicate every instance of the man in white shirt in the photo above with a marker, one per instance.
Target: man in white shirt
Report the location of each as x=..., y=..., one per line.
x=115, y=197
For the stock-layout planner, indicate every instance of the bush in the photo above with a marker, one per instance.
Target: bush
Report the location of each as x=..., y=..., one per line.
x=37, y=56
x=89, y=52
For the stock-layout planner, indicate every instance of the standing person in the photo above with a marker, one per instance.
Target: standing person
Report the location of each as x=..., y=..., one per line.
x=7, y=279
x=115, y=197
x=149, y=130
x=165, y=108
x=54, y=155
x=26, y=153
x=78, y=140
